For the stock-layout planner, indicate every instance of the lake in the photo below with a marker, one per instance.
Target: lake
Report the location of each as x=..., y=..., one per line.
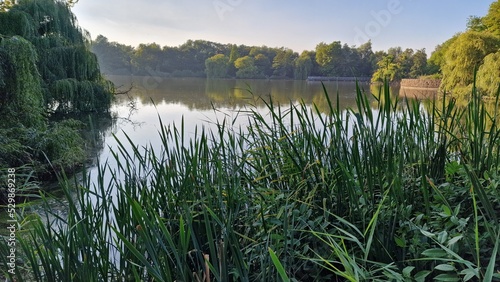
x=200, y=103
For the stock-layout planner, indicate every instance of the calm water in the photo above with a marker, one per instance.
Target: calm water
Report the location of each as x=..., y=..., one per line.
x=200, y=103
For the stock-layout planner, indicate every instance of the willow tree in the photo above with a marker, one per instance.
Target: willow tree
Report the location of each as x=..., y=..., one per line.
x=21, y=100
x=488, y=75
x=45, y=65
x=70, y=76
x=464, y=55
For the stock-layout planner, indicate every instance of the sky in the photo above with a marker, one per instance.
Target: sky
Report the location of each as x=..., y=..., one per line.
x=295, y=24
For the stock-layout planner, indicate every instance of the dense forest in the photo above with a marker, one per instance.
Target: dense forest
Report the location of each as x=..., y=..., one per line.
x=202, y=58
x=199, y=58
x=46, y=68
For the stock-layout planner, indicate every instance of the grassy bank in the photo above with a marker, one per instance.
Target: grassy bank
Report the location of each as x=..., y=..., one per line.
x=406, y=192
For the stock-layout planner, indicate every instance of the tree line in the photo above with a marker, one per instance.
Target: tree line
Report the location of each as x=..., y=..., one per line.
x=201, y=58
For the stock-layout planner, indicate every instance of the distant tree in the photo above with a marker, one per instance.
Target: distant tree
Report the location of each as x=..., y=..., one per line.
x=419, y=64
x=246, y=68
x=366, y=59
x=328, y=57
x=146, y=59
x=488, y=75
x=388, y=69
x=263, y=64
x=437, y=60
x=216, y=66
x=283, y=63
x=465, y=55
x=395, y=52
x=303, y=66
x=114, y=58
x=405, y=62
x=475, y=23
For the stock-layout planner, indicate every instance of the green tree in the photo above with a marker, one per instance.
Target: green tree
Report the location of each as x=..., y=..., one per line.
x=246, y=68
x=114, y=58
x=45, y=66
x=465, y=55
x=263, y=64
x=419, y=64
x=488, y=75
x=437, y=60
x=70, y=77
x=328, y=56
x=492, y=19
x=388, y=69
x=366, y=59
x=405, y=62
x=21, y=98
x=147, y=59
x=303, y=66
x=216, y=66
x=283, y=63
x=233, y=56
x=475, y=23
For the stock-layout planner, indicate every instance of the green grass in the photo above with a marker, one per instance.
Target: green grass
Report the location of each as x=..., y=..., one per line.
x=403, y=192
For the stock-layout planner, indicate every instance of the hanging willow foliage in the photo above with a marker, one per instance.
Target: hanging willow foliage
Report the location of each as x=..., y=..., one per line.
x=21, y=99
x=71, y=79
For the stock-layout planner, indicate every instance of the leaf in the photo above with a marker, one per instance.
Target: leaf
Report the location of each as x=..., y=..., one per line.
x=469, y=273
x=442, y=237
x=446, y=210
x=447, y=277
x=401, y=242
x=279, y=266
x=420, y=276
x=454, y=240
x=407, y=271
x=427, y=233
x=434, y=253
x=445, y=267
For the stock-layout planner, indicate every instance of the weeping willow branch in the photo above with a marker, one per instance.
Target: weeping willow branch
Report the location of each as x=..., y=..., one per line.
x=70, y=77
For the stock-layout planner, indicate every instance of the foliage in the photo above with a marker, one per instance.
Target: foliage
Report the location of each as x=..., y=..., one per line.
x=388, y=70
x=61, y=48
x=246, y=68
x=45, y=67
x=303, y=66
x=190, y=59
x=437, y=59
x=21, y=101
x=114, y=58
x=216, y=66
x=488, y=75
x=465, y=54
x=283, y=63
x=492, y=20
x=397, y=64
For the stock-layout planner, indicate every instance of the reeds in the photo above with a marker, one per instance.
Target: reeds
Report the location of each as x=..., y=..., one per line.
x=404, y=191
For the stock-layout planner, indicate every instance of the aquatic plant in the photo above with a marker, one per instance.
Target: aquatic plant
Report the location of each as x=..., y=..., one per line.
x=405, y=192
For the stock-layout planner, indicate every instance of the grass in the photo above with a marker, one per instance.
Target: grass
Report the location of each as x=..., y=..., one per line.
x=407, y=191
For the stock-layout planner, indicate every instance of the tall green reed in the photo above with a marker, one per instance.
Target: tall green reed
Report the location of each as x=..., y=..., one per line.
x=297, y=194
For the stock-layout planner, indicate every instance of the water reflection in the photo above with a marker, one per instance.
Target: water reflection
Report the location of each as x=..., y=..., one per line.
x=203, y=94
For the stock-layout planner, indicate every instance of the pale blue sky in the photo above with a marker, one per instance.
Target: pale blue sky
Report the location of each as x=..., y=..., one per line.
x=299, y=25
